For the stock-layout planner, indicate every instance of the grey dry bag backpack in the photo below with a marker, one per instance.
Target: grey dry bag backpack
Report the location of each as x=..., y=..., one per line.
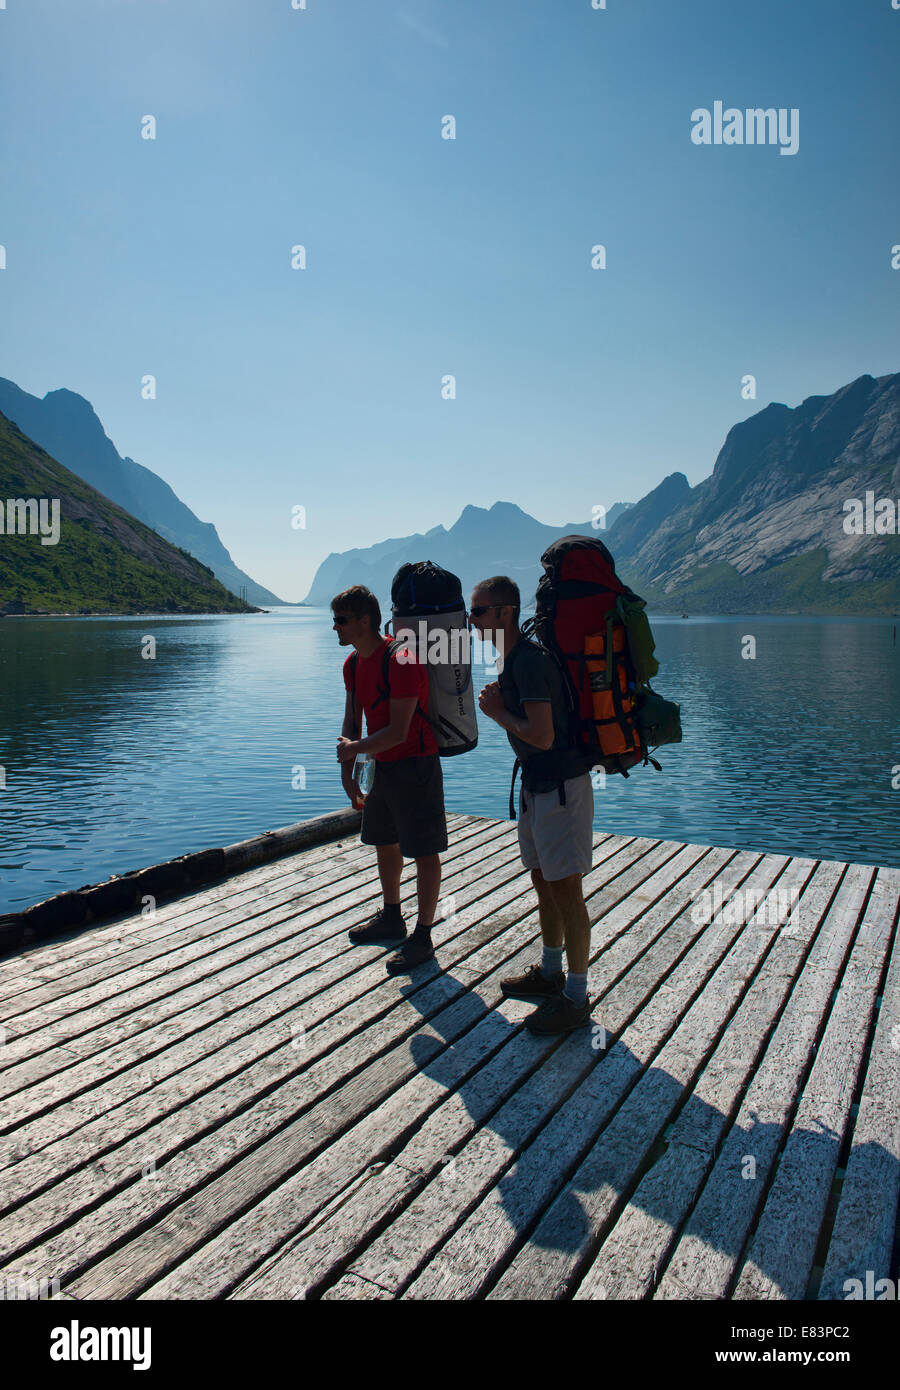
x=428, y=610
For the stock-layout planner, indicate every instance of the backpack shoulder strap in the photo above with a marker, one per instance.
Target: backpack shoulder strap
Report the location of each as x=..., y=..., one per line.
x=568, y=692
x=387, y=652
x=512, y=786
x=357, y=723
x=384, y=694
x=389, y=649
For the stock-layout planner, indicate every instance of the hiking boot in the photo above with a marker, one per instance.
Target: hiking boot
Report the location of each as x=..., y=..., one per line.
x=533, y=985
x=413, y=952
x=559, y=1015
x=378, y=928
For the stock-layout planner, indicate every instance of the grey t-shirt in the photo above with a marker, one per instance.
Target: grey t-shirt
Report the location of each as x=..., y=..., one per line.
x=531, y=674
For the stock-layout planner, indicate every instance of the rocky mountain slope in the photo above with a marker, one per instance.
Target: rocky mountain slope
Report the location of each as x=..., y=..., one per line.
x=768, y=527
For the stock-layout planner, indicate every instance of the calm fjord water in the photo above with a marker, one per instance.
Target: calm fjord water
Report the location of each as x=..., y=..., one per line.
x=113, y=762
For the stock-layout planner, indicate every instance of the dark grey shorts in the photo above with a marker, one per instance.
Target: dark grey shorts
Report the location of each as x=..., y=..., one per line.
x=406, y=807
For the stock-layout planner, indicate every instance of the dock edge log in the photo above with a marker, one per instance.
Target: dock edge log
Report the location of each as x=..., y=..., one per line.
x=122, y=893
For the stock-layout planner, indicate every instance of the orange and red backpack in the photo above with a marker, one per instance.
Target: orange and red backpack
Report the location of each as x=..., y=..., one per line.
x=595, y=628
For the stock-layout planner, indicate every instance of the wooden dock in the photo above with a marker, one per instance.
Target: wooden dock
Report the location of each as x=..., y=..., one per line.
x=229, y=1100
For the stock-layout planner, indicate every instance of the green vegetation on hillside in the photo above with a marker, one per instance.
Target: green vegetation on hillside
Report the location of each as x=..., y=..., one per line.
x=105, y=560
x=793, y=587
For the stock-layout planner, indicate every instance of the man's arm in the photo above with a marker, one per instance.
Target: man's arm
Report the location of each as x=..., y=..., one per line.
x=348, y=728
x=535, y=728
x=396, y=731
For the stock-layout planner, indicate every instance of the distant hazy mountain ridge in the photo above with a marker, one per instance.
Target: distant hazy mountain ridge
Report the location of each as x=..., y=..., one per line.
x=500, y=540
x=764, y=533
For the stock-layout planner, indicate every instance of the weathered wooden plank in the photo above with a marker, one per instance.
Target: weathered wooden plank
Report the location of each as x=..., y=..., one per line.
x=155, y=956
x=221, y=1202
x=700, y=1008
x=130, y=1207
x=354, y=1287
x=320, y=948
x=667, y=937
x=328, y=1037
x=148, y=1033
x=414, y=1126
x=192, y=1145
x=702, y=1264
x=70, y=952
x=67, y=1099
x=622, y=925
x=315, y=1254
x=88, y=1142
x=271, y=849
x=111, y=1022
x=863, y=1232
x=346, y=1166
x=629, y=1260
x=319, y=926
x=76, y=948
x=616, y=1013
x=321, y=1017
x=479, y=1168
x=779, y=1259
x=214, y=1267
x=65, y=912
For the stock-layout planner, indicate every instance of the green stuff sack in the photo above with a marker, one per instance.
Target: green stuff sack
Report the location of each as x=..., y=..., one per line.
x=641, y=645
x=658, y=720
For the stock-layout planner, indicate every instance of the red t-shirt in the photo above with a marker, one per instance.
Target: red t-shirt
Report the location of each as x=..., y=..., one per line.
x=406, y=678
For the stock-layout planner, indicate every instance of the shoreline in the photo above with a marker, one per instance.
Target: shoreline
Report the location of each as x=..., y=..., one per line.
x=72, y=910
x=147, y=613
x=243, y=613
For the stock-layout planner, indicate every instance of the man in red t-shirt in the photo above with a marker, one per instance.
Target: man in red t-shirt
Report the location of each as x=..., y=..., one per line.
x=403, y=813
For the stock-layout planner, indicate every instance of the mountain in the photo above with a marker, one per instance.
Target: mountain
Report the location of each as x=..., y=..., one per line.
x=501, y=539
x=65, y=424
x=763, y=534
x=103, y=560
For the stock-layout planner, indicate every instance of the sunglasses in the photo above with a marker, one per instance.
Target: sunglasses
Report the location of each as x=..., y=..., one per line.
x=340, y=620
x=482, y=608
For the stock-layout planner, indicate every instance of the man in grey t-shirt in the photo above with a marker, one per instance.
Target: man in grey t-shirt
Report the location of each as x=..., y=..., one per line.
x=556, y=808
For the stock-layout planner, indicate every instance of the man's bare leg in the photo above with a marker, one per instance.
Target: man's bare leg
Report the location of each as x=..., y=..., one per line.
x=568, y=898
x=387, y=924
x=428, y=887
x=390, y=867
x=552, y=923
x=420, y=947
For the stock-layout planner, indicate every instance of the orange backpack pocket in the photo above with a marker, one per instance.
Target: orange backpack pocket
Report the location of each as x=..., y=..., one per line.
x=616, y=731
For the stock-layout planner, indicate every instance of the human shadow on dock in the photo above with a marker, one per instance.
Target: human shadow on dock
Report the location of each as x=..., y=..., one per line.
x=569, y=1106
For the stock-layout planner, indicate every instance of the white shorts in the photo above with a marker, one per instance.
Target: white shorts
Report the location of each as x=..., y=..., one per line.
x=557, y=839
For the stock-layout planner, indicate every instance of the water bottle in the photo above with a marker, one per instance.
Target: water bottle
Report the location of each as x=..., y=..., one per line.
x=364, y=773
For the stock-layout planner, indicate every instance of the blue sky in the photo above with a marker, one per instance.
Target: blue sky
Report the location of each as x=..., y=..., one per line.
x=322, y=127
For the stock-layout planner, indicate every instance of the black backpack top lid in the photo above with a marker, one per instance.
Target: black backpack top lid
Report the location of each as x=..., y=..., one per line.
x=585, y=553
x=424, y=587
